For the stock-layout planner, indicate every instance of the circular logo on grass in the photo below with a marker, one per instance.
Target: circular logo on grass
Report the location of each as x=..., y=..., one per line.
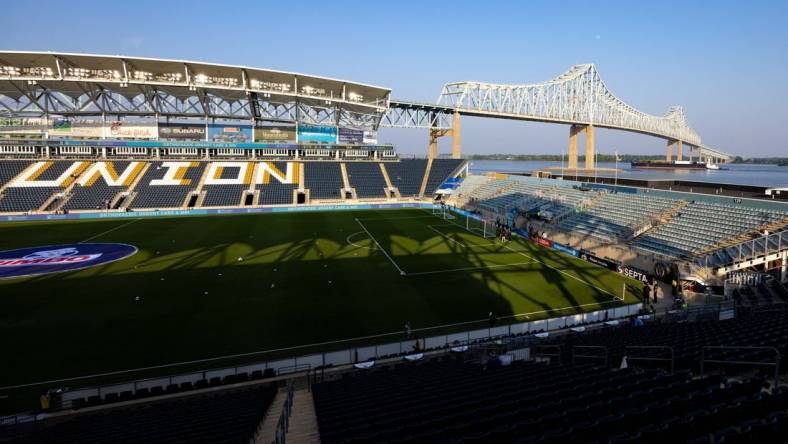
x=59, y=258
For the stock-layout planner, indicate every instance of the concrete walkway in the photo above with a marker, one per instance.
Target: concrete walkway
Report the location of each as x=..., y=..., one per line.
x=303, y=420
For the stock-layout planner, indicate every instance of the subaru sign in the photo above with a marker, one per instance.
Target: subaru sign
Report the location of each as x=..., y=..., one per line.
x=58, y=258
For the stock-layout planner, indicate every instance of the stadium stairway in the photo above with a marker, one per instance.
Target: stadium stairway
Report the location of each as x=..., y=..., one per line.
x=388, y=181
x=303, y=419
x=426, y=178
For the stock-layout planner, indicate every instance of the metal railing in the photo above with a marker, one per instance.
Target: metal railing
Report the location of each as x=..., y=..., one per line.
x=283, y=425
x=589, y=348
x=671, y=360
x=776, y=364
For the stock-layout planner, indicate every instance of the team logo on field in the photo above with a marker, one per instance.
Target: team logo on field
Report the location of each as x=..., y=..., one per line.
x=59, y=258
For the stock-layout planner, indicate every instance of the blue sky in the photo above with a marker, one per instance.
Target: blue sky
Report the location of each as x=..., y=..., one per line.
x=723, y=61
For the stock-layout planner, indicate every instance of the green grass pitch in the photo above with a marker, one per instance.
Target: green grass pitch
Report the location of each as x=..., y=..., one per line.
x=304, y=279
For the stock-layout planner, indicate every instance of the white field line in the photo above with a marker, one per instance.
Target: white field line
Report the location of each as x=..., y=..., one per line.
x=484, y=267
x=462, y=244
x=381, y=248
x=110, y=230
x=395, y=218
x=615, y=296
x=354, y=244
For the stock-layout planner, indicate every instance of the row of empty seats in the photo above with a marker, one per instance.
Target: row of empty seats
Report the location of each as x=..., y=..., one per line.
x=231, y=416
x=590, y=400
x=177, y=184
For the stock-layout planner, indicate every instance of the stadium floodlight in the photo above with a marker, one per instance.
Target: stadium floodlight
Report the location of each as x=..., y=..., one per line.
x=355, y=97
x=201, y=79
x=143, y=75
x=10, y=71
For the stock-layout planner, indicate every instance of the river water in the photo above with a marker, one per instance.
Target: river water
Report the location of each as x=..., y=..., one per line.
x=740, y=174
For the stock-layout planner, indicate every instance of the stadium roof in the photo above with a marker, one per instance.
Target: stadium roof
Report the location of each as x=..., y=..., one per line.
x=125, y=75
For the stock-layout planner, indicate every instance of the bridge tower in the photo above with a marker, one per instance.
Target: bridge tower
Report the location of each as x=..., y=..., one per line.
x=454, y=133
x=679, y=150
x=588, y=131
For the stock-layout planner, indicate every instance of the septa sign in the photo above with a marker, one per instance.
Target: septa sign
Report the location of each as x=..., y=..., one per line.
x=59, y=258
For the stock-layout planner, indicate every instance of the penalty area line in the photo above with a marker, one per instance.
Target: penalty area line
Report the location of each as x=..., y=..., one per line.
x=110, y=230
x=470, y=268
x=401, y=272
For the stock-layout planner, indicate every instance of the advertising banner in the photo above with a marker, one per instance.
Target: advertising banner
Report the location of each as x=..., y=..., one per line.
x=565, y=249
x=351, y=136
x=181, y=131
x=317, y=134
x=22, y=128
x=131, y=130
x=541, y=241
x=275, y=134
x=590, y=257
x=370, y=137
x=635, y=273
x=231, y=133
x=64, y=127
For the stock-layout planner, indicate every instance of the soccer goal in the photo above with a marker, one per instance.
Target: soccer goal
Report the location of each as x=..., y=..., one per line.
x=443, y=212
x=480, y=226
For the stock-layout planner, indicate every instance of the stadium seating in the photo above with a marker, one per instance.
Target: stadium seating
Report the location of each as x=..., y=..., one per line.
x=165, y=196
x=451, y=402
x=406, y=175
x=277, y=193
x=227, y=416
x=441, y=170
x=700, y=225
x=223, y=195
x=367, y=179
x=98, y=195
x=11, y=168
x=615, y=215
x=19, y=199
x=323, y=180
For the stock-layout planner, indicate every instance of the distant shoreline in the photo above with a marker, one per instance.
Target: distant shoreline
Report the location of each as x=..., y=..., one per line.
x=780, y=161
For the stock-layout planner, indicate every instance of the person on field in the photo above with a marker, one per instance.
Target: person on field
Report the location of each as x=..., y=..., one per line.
x=408, y=331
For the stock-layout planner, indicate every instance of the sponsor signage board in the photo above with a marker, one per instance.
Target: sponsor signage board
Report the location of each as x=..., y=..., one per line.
x=275, y=134
x=351, y=136
x=636, y=273
x=182, y=131
x=565, y=249
x=71, y=127
x=59, y=258
x=317, y=134
x=590, y=257
x=230, y=133
x=22, y=128
x=131, y=130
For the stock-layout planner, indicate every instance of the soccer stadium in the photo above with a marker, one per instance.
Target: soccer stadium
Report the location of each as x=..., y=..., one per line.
x=196, y=252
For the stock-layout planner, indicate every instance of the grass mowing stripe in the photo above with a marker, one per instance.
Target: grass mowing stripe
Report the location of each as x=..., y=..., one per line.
x=380, y=248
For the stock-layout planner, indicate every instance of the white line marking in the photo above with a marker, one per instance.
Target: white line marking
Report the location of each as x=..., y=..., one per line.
x=615, y=296
x=354, y=244
x=111, y=230
x=395, y=218
x=432, y=227
x=470, y=268
x=381, y=248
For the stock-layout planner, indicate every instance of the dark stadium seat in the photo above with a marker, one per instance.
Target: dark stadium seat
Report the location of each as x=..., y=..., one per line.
x=406, y=175
x=323, y=180
x=231, y=416
x=277, y=193
x=367, y=179
x=440, y=171
x=165, y=196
